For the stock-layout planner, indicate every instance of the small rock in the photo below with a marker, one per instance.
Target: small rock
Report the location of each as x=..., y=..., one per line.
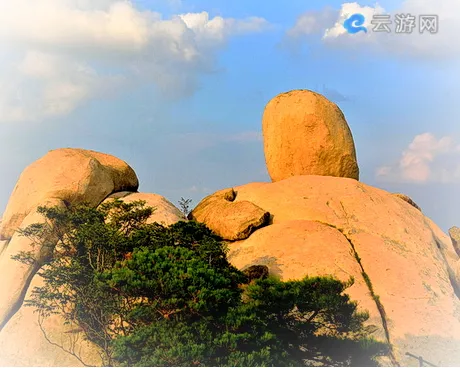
x=228, y=218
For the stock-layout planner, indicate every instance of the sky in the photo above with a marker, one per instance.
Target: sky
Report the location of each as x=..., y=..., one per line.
x=177, y=89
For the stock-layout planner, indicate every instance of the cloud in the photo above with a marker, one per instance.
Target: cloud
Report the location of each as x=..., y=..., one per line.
x=348, y=9
x=439, y=46
x=61, y=53
x=312, y=22
x=47, y=85
x=426, y=159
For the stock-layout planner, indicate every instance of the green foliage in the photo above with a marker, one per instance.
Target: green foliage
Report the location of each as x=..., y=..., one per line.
x=151, y=295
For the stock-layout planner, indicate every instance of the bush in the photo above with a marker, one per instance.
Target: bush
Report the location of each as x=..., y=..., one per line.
x=150, y=295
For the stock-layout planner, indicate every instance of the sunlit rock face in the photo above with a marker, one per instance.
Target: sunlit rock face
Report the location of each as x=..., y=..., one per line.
x=306, y=134
x=323, y=225
x=314, y=219
x=61, y=177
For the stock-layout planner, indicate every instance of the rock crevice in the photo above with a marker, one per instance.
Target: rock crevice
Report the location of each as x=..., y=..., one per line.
x=377, y=301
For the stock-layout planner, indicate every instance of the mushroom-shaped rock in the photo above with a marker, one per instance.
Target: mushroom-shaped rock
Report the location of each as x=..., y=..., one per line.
x=229, y=219
x=338, y=226
x=61, y=177
x=164, y=212
x=306, y=134
x=68, y=174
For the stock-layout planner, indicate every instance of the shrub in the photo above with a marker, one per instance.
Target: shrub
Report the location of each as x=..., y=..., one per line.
x=150, y=295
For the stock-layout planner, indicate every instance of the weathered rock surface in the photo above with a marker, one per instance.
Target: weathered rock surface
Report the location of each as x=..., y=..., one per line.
x=319, y=222
x=68, y=174
x=228, y=219
x=23, y=343
x=60, y=177
x=314, y=219
x=306, y=134
x=408, y=199
x=164, y=213
x=294, y=249
x=454, y=233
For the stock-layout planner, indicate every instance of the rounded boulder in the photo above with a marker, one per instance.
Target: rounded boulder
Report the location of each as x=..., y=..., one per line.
x=306, y=134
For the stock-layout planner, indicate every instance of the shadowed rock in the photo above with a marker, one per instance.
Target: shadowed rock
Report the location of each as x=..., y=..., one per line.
x=255, y=272
x=454, y=233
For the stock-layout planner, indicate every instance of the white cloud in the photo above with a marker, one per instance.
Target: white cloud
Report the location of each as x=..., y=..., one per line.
x=442, y=45
x=218, y=29
x=63, y=52
x=312, y=22
x=346, y=11
x=47, y=85
x=426, y=159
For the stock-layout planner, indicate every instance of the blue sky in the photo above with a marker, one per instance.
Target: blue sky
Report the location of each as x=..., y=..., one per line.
x=179, y=93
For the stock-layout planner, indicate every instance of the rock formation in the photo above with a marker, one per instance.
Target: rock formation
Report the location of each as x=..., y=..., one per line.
x=408, y=199
x=72, y=175
x=337, y=226
x=324, y=222
x=306, y=134
x=314, y=219
x=454, y=233
x=61, y=177
x=164, y=213
x=228, y=219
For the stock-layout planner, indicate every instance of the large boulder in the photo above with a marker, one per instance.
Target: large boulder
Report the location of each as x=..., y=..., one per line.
x=164, y=213
x=26, y=341
x=61, y=177
x=306, y=134
x=68, y=174
x=338, y=226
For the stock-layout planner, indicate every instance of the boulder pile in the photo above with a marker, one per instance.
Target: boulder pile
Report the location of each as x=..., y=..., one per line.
x=315, y=218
